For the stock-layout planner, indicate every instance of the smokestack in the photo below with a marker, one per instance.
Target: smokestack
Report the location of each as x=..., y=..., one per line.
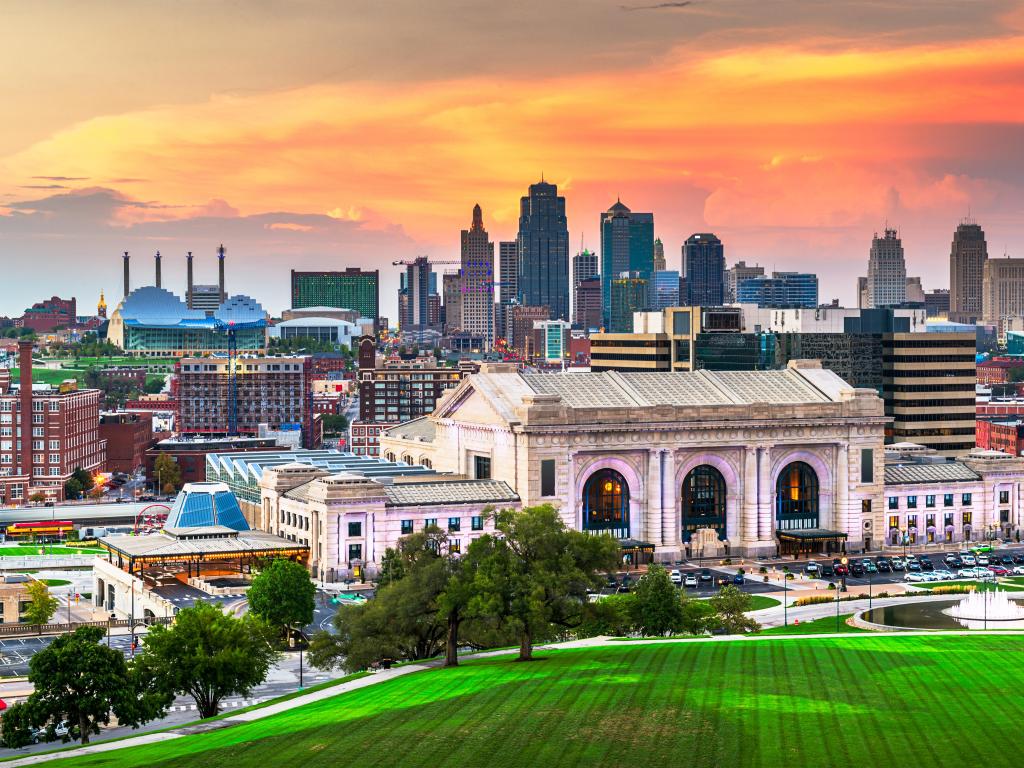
x=188, y=292
x=158, y=269
x=220, y=262
x=127, y=285
x=25, y=396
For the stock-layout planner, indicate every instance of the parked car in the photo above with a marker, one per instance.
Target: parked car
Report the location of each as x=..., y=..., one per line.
x=956, y=562
x=811, y=568
x=927, y=564
x=1006, y=560
x=999, y=570
x=841, y=570
x=980, y=549
x=827, y=571
x=966, y=573
x=690, y=581
x=676, y=576
x=1018, y=558
x=944, y=574
x=856, y=568
x=898, y=564
x=950, y=557
x=969, y=560
x=870, y=567
x=738, y=579
x=884, y=566
x=912, y=576
x=929, y=577
x=705, y=574
x=913, y=566
x=1018, y=570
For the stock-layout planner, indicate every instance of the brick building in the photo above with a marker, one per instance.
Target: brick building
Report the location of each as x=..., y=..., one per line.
x=189, y=453
x=275, y=391
x=129, y=374
x=62, y=436
x=1001, y=434
x=50, y=314
x=128, y=435
x=999, y=370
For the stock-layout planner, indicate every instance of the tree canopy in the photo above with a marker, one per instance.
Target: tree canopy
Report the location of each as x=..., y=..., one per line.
x=658, y=609
x=41, y=605
x=167, y=472
x=283, y=596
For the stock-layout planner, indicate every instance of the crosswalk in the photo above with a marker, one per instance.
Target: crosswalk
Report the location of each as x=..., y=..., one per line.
x=230, y=704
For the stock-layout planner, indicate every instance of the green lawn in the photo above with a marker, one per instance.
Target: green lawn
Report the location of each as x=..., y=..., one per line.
x=27, y=550
x=55, y=582
x=823, y=626
x=760, y=602
x=1009, y=585
x=834, y=701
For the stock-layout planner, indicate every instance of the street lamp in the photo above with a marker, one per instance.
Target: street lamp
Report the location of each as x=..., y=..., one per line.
x=785, y=596
x=845, y=561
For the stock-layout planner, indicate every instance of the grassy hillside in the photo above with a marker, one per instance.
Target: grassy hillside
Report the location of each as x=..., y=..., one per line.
x=872, y=700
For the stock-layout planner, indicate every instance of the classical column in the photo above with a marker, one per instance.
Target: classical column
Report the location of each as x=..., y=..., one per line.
x=748, y=520
x=670, y=506
x=764, y=495
x=841, y=511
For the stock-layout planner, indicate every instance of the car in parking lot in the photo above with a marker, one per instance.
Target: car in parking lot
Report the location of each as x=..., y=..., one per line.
x=690, y=581
x=1017, y=570
x=1018, y=558
x=944, y=574
x=983, y=560
x=857, y=568
x=811, y=568
x=969, y=560
x=898, y=564
x=676, y=576
x=979, y=549
x=913, y=566
x=705, y=574
x=884, y=566
x=999, y=570
x=1006, y=560
x=926, y=564
x=914, y=576
x=826, y=570
x=950, y=557
x=870, y=566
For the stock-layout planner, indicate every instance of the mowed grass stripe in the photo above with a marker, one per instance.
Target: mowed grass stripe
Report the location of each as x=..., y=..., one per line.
x=843, y=701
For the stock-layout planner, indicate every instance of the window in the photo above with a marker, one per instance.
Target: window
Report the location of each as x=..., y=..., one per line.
x=355, y=552
x=894, y=502
x=482, y=467
x=1004, y=497
x=929, y=501
x=547, y=477
x=355, y=529
x=894, y=522
x=1004, y=515
x=947, y=520
x=967, y=517
x=947, y=500
x=965, y=500
x=703, y=501
x=454, y=524
x=477, y=523
x=606, y=503
x=867, y=465
x=911, y=502
x=406, y=527
x=430, y=522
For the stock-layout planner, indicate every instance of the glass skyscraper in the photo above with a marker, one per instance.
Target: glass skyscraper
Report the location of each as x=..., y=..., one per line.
x=782, y=289
x=627, y=245
x=629, y=295
x=664, y=289
x=704, y=262
x=544, y=251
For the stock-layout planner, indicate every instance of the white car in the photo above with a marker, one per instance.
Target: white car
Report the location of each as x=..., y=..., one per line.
x=966, y=573
x=690, y=581
x=929, y=576
x=914, y=576
x=676, y=576
x=983, y=560
x=944, y=574
x=1018, y=570
x=969, y=559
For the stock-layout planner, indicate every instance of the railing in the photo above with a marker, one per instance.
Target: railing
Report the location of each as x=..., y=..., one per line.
x=34, y=562
x=16, y=630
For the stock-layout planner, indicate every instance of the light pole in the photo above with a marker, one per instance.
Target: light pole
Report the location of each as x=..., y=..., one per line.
x=837, y=612
x=870, y=580
x=785, y=597
x=846, y=569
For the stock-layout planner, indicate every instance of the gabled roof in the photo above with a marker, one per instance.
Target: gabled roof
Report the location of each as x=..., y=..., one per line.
x=930, y=472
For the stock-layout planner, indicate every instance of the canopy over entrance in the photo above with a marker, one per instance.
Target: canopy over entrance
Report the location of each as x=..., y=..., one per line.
x=635, y=553
x=806, y=541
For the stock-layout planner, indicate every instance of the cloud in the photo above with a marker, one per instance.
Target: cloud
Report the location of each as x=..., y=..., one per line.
x=42, y=186
x=657, y=6
x=61, y=178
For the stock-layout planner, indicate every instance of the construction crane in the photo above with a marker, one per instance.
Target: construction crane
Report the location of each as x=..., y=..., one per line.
x=405, y=263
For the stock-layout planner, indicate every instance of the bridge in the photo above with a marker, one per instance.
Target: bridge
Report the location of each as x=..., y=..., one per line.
x=80, y=514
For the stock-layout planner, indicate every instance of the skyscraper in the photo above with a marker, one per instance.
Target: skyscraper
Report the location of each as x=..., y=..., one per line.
x=478, y=279
x=887, y=271
x=704, y=264
x=627, y=245
x=629, y=295
x=544, y=250
x=664, y=289
x=967, y=259
x=737, y=274
x=352, y=289
x=416, y=282
x=451, y=289
x=508, y=276
x=659, y=256
x=584, y=267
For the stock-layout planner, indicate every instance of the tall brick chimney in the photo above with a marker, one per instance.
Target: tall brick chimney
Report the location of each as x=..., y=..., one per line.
x=25, y=396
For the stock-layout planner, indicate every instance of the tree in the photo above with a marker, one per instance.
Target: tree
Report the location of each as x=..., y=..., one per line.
x=80, y=681
x=283, y=596
x=168, y=473
x=731, y=605
x=536, y=573
x=41, y=605
x=698, y=617
x=16, y=726
x=611, y=615
x=207, y=655
x=37, y=498
x=154, y=386
x=72, y=489
x=334, y=424
x=84, y=478
x=657, y=609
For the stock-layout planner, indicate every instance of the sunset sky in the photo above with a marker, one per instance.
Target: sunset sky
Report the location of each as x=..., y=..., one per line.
x=329, y=134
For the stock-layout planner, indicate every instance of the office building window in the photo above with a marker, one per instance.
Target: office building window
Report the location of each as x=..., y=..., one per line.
x=965, y=500
x=406, y=527
x=894, y=502
x=478, y=523
x=482, y=467
x=929, y=501
x=911, y=502
x=947, y=500
x=454, y=524
x=1004, y=497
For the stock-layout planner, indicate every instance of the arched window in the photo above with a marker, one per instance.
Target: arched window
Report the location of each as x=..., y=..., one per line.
x=606, y=503
x=427, y=463
x=703, y=501
x=389, y=456
x=796, y=497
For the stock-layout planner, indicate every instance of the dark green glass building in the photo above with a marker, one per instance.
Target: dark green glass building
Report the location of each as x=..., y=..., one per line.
x=352, y=289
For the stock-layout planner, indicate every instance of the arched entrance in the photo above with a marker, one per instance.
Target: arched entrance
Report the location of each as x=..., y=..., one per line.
x=703, y=501
x=796, y=495
x=606, y=503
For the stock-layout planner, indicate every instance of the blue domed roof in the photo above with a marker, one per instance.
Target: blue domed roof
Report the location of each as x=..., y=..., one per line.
x=156, y=306
x=204, y=504
x=240, y=309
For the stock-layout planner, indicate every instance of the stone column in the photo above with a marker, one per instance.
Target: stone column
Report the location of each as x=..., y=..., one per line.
x=749, y=518
x=670, y=535
x=764, y=496
x=842, y=514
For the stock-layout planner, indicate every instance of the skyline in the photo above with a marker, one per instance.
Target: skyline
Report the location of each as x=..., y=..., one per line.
x=793, y=135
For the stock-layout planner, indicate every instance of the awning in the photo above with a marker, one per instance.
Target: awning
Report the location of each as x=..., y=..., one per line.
x=810, y=534
x=632, y=545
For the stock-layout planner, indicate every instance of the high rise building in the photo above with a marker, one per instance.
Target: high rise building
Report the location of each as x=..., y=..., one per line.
x=737, y=274
x=704, y=265
x=584, y=266
x=478, y=279
x=416, y=282
x=887, y=271
x=782, y=289
x=937, y=302
x=967, y=258
x=629, y=295
x=352, y=289
x=587, y=310
x=664, y=289
x=627, y=245
x=915, y=291
x=508, y=276
x=659, y=256
x=544, y=250
x=451, y=288
x=1002, y=292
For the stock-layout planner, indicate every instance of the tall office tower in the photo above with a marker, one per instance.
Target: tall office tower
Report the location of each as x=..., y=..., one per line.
x=659, y=256
x=584, y=267
x=478, y=279
x=629, y=295
x=416, y=283
x=544, y=250
x=862, y=293
x=737, y=274
x=915, y=291
x=508, y=276
x=627, y=245
x=704, y=264
x=1002, y=292
x=887, y=271
x=586, y=307
x=451, y=289
x=664, y=289
x=967, y=259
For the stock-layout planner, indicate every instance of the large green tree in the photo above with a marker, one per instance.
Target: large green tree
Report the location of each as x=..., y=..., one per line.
x=731, y=605
x=283, y=596
x=167, y=473
x=535, y=574
x=83, y=682
x=41, y=604
x=657, y=608
x=208, y=655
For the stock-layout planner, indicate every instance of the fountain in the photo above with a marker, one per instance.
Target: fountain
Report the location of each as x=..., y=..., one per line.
x=994, y=610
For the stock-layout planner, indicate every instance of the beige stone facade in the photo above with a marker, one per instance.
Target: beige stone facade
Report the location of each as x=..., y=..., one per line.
x=548, y=436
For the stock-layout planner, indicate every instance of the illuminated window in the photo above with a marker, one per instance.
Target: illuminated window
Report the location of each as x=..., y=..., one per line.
x=703, y=501
x=606, y=503
x=797, y=497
